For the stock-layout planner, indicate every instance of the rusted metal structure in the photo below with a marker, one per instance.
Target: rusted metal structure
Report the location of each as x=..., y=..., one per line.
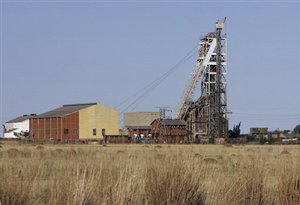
x=206, y=117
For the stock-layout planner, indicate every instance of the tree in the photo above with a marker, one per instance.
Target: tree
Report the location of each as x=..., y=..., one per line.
x=262, y=139
x=297, y=129
x=235, y=132
x=270, y=139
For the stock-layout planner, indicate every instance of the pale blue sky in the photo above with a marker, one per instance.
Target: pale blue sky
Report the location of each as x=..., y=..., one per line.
x=60, y=52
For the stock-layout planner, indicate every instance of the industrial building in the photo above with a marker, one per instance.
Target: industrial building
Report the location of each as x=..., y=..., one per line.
x=16, y=127
x=258, y=130
x=137, y=124
x=75, y=122
x=139, y=118
x=169, y=130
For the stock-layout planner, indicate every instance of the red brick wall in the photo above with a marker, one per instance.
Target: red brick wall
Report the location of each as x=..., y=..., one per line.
x=55, y=127
x=169, y=134
x=173, y=130
x=155, y=128
x=71, y=122
x=145, y=132
x=118, y=139
x=172, y=134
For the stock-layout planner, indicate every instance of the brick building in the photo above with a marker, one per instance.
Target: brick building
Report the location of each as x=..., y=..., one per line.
x=169, y=130
x=75, y=122
x=137, y=125
x=139, y=133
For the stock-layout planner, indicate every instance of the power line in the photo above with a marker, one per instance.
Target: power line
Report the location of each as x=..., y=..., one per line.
x=159, y=78
x=142, y=97
x=148, y=88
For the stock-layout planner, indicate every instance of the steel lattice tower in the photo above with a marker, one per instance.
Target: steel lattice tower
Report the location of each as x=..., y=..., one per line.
x=207, y=116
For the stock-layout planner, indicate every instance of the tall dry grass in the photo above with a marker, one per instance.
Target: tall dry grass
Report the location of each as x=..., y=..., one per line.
x=136, y=174
x=173, y=181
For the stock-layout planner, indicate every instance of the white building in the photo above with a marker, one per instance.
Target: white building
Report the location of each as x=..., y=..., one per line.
x=16, y=126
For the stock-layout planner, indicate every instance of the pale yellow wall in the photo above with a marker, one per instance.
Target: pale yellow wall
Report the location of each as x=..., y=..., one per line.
x=99, y=117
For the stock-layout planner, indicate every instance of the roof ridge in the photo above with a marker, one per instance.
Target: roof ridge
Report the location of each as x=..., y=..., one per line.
x=19, y=118
x=79, y=104
x=65, y=110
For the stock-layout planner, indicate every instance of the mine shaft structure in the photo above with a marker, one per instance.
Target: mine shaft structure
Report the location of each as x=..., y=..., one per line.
x=206, y=117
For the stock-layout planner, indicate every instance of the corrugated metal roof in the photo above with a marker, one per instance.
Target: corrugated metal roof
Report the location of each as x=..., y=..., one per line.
x=19, y=119
x=139, y=127
x=171, y=122
x=139, y=118
x=65, y=110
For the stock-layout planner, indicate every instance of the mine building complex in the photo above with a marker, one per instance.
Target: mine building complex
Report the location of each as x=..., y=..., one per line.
x=197, y=117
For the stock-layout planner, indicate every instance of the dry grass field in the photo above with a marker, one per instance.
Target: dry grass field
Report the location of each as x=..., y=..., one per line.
x=149, y=174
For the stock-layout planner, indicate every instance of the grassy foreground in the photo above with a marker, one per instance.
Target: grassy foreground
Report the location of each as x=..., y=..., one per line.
x=149, y=174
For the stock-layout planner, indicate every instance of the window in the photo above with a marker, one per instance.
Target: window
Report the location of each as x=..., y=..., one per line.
x=66, y=131
x=103, y=132
x=94, y=132
x=75, y=132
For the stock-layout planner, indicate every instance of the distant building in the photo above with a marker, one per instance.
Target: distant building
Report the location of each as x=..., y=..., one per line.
x=139, y=118
x=137, y=124
x=169, y=130
x=16, y=126
x=139, y=133
x=258, y=130
x=288, y=138
x=75, y=122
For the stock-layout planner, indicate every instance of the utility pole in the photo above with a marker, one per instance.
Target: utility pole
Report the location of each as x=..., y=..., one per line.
x=162, y=111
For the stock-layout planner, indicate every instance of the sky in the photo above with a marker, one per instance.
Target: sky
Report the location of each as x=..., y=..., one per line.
x=62, y=52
